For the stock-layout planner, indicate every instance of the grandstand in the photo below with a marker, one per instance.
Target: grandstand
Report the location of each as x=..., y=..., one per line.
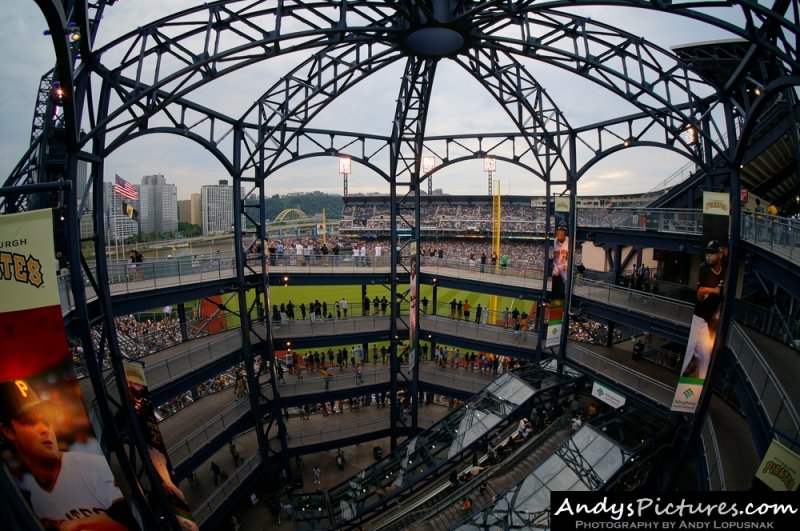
x=455, y=216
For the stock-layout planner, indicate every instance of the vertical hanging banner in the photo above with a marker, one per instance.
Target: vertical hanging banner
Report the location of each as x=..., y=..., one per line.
x=413, y=340
x=46, y=437
x=559, y=273
x=709, y=296
x=140, y=396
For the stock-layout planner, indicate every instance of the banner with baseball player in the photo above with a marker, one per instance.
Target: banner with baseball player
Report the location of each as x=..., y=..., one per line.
x=47, y=441
x=140, y=395
x=709, y=296
x=559, y=273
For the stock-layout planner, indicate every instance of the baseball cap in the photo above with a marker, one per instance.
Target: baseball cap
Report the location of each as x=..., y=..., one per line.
x=562, y=225
x=714, y=246
x=17, y=399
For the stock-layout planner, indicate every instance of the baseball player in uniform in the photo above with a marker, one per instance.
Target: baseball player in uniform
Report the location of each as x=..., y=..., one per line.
x=68, y=490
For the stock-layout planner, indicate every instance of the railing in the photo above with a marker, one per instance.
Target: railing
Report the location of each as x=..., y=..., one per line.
x=462, y=268
x=469, y=330
x=677, y=312
x=193, y=442
x=338, y=432
x=665, y=220
x=773, y=399
x=626, y=378
x=780, y=236
x=228, y=489
x=339, y=380
x=452, y=380
x=185, y=362
x=354, y=324
x=715, y=475
x=767, y=322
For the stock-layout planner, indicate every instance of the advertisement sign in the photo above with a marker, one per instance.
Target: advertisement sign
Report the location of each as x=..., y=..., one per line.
x=608, y=395
x=46, y=437
x=709, y=296
x=553, y=334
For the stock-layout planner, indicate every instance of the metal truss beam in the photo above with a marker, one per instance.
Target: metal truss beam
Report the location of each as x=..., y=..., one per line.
x=408, y=130
x=538, y=119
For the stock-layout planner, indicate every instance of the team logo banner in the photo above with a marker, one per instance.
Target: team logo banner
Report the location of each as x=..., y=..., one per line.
x=47, y=440
x=780, y=468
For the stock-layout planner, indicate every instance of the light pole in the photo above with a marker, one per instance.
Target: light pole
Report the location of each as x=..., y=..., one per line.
x=489, y=166
x=344, y=170
x=428, y=164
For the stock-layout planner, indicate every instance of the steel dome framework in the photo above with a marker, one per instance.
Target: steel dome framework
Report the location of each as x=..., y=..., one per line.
x=144, y=82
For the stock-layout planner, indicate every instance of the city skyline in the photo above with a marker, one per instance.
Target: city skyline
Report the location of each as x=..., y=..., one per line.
x=367, y=108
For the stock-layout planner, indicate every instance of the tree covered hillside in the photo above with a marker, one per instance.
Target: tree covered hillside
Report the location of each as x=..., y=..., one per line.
x=311, y=203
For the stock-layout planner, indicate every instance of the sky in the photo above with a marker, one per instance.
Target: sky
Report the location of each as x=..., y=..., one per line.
x=458, y=105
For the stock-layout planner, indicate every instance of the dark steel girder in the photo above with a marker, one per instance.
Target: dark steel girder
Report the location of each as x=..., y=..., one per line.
x=405, y=163
x=300, y=95
x=774, y=26
x=632, y=50
x=537, y=117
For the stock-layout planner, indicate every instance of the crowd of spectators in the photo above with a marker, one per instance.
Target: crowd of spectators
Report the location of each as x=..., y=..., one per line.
x=474, y=253
x=517, y=218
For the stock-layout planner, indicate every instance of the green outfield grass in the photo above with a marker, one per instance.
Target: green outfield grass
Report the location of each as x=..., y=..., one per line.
x=329, y=294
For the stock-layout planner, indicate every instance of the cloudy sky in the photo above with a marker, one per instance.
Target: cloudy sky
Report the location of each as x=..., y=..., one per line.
x=458, y=105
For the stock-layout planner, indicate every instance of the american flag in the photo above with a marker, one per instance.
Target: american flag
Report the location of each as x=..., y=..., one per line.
x=125, y=189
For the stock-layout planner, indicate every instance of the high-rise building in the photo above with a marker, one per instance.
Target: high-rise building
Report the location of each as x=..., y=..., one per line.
x=158, y=205
x=118, y=225
x=196, y=216
x=185, y=210
x=85, y=198
x=217, y=207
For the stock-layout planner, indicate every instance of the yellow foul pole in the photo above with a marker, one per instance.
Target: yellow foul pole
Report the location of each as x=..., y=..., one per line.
x=496, y=216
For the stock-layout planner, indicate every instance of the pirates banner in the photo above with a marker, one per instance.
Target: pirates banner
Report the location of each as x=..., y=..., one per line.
x=46, y=438
x=140, y=395
x=559, y=273
x=709, y=296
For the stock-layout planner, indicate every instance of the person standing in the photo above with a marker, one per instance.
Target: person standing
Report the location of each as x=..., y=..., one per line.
x=478, y=312
x=453, y=305
x=317, y=473
x=327, y=377
x=378, y=253
x=424, y=304
x=483, y=261
x=217, y=471
x=344, y=307
x=467, y=308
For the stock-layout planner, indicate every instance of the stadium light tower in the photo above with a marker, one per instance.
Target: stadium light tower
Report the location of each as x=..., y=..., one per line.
x=344, y=170
x=428, y=164
x=489, y=166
